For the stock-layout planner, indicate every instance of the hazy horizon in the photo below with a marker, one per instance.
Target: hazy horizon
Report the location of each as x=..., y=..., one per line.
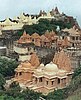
x=12, y=8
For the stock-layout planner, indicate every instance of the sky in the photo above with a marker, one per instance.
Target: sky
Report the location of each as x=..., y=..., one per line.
x=12, y=8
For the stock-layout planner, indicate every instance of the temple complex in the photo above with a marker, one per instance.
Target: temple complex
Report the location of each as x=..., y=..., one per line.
x=18, y=22
x=46, y=40
x=33, y=72
x=45, y=78
x=69, y=40
x=47, y=61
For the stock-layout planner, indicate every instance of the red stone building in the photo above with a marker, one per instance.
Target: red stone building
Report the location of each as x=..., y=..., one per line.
x=45, y=78
x=55, y=75
x=24, y=72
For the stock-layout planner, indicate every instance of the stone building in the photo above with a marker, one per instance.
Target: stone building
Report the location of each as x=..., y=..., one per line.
x=24, y=72
x=46, y=40
x=24, y=47
x=27, y=44
x=70, y=40
x=74, y=36
x=9, y=24
x=45, y=78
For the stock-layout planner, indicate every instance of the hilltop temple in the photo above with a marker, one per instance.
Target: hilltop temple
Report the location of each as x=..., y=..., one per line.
x=25, y=19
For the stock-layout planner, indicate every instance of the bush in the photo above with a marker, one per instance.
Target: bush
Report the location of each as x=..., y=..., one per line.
x=7, y=67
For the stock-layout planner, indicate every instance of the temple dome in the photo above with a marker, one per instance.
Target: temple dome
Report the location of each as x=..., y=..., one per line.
x=51, y=67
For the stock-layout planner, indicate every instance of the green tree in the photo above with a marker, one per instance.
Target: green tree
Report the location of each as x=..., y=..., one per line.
x=7, y=67
x=40, y=28
x=30, y=95
x=14, y=90
x=77, y=72
x=2, y=81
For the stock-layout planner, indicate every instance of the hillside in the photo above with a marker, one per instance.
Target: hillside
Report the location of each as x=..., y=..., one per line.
x=71, y=92
x=76, y=95
x=45, y=24
x=75, y=86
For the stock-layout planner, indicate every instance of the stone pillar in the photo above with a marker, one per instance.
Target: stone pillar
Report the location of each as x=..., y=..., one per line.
x=18, y=74
x=67, y=81
x=61, y=83
x=37, y=81
x=34, y=81
x=50, y=83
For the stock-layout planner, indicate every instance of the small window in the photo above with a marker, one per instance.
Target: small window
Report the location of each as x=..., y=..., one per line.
x=76, y=38
x=62, y=37
x=44, y=43
x=52, y=82
x=32, y=40
x=73, y=38
x=29, y=48
x=46, y=82
x=40, y=80
x=20, y=73
x=73, y=45
x=58, y=81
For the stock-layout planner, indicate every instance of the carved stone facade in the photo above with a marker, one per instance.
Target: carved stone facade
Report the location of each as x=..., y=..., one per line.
x=73, y=37
x=45, y=78
x=25, y=70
